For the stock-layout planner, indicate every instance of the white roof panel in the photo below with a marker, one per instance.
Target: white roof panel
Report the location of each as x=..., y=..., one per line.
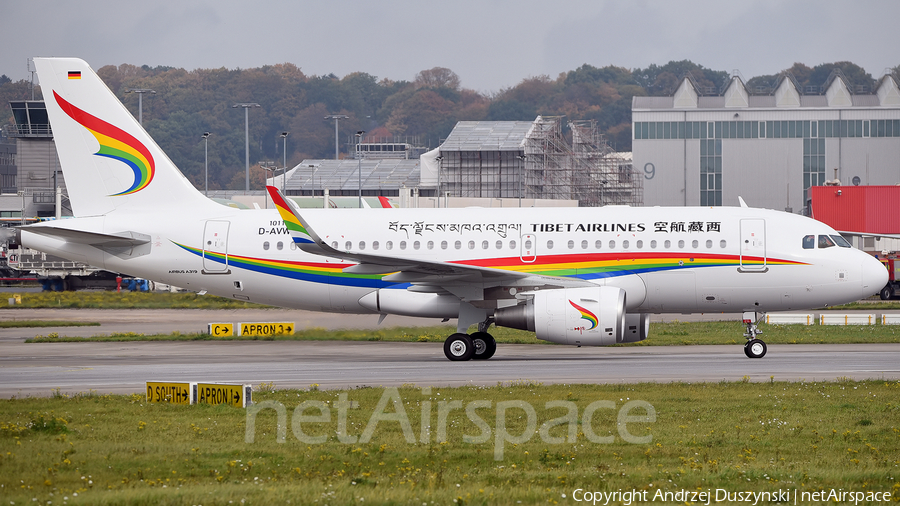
x=344, y=174
x=487, y=136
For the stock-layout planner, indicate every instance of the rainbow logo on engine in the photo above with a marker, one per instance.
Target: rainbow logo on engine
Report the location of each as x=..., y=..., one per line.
x=586, y=315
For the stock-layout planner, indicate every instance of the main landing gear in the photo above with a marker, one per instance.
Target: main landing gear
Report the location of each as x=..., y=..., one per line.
x=478, y=345
x=754, y=348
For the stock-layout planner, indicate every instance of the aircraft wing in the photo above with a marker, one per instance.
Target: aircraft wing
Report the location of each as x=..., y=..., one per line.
x=424, y=275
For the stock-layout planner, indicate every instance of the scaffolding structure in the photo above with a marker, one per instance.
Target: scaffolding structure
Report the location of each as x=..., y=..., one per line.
x=587, y=170
x=484, y=159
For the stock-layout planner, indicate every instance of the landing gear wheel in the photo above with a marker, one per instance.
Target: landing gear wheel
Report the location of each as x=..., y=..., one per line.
x=459, y=347
x=485, y=345
x=887, y=293
x=755, y=348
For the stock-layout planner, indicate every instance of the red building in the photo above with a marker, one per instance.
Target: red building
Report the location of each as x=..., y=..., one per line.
x=869, y=210
x=865, y=209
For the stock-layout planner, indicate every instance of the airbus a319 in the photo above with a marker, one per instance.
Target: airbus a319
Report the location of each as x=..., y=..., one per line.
x=578, y=276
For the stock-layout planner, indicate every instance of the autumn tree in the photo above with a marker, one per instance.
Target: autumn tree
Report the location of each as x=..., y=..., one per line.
x=188, y=103
x=437, y=77
x=425, y=112
x=13, y=90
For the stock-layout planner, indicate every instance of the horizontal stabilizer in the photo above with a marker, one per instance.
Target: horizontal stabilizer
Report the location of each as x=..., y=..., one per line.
x=118, y=240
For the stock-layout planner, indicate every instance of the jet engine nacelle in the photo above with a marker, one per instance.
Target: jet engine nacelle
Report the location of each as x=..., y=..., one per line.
x=637, y=326
x=578, y=316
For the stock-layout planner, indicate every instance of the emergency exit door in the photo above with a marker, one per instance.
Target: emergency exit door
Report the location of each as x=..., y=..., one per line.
x=753, y=245
x=215, y=247
x=528, y=252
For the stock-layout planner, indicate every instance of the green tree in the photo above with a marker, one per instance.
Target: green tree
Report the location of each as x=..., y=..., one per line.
x=511, y=110
x=663, y=80
x=13, y=90
x=856, y=75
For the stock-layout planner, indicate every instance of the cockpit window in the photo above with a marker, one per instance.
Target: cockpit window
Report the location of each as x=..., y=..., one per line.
x=840, y=241
x=809, y=242
x=825, y=241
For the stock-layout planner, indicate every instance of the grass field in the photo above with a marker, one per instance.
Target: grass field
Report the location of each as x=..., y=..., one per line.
x=125, y=300
x=9, y=324
x=101, y=449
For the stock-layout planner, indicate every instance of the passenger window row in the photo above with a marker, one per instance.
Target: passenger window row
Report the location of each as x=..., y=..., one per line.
x=279, y=245
x=499, y=245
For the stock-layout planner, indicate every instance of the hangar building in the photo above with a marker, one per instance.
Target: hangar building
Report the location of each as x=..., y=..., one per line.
x=695, y=149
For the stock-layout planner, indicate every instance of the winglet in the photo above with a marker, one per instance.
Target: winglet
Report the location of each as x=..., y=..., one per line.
x=296, y=226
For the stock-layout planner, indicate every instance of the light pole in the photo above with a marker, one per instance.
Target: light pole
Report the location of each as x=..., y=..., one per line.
x=359, y=136
x=246, y=107
x=336, y=117
x=315, y=168
x=22, y=194
x=268, y=167
x=284, y=173
x=206, y=162
x=439, y=159
x=140, y=93
x=521, y=177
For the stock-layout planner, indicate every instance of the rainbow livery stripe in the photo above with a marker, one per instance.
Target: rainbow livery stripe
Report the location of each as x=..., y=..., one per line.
x=605, y=265
x=314, y=272
x=587, y=266
x=115, y=143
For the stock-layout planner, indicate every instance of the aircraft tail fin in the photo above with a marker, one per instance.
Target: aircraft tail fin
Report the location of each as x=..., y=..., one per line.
x=108, y=159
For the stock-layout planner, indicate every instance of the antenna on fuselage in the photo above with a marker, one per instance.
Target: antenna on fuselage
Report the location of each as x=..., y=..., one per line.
x=741, y=200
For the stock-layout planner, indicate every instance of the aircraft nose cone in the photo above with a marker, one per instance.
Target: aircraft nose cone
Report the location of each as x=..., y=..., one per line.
x=874, y=276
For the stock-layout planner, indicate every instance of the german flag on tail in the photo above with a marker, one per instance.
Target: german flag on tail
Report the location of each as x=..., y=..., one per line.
x=74, y=74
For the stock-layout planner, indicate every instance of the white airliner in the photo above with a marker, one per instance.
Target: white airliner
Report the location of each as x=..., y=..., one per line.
x=583, y=276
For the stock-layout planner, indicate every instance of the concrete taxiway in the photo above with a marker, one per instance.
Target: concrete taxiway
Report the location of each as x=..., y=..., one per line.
x=38, y=369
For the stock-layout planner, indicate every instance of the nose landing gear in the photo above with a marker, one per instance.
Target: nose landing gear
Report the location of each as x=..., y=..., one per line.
x=754, y=348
